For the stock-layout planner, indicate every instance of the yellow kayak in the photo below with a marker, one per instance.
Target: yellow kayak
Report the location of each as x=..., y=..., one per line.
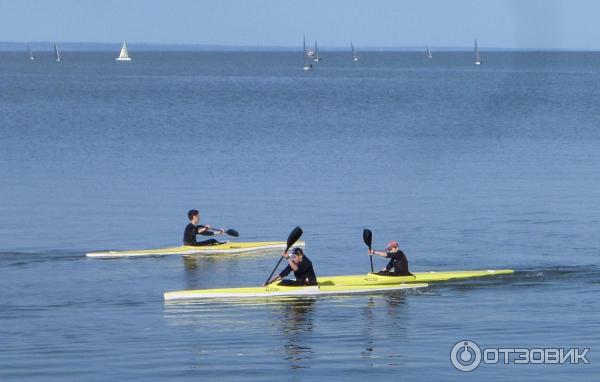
x=276, y=290
x=228, y=247
x=419, y=277
x=349, y=284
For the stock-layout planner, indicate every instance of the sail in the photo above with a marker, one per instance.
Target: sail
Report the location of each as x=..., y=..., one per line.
x=56, y=54
x=124, y=53
x=428, y=52
x=304, y=44
x=31, y=57
x=354, y=55
x=477, y=56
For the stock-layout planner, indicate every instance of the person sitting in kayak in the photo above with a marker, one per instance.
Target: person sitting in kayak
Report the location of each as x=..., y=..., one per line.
x=397, y=261
x=302, y=267
x=193, y=229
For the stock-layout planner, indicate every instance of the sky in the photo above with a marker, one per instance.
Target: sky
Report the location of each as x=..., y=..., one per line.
x=519, y=24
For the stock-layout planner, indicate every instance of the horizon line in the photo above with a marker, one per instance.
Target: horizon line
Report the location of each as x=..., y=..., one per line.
x=70, y=45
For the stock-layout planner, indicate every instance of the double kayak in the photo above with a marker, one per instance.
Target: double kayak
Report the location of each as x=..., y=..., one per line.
x=349, y=284
x=276, y=290
x=225, y=248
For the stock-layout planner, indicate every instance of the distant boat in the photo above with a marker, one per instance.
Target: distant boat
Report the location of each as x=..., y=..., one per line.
x=31, y=56
x=307, y=66
x=124, y=55
x=477, y=60
x=56, y=54
x=316, y=53
x=307, y=53
x=428, y=52
x=354, y=54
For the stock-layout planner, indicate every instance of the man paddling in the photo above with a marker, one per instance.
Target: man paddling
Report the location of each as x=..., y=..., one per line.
x=302, y=267
x=193, y=229
x=398, y=260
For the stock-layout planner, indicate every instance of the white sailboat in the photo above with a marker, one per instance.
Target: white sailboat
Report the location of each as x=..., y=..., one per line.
x=56, y=54
x=316, y=53
x=31, y=56
x=477, y=60
x=124, y=55
x=307, y=66
x=428, y=52
x=308, y=53
x=354, y=54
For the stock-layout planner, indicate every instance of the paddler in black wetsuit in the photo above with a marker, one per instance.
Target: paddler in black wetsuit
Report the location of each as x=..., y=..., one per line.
x=398, y=260
x=193, y=229
x=302, y=267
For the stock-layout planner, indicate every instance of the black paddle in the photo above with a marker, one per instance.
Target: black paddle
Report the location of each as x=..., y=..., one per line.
x=368, y=239
x=230, y=232
x=292, y=238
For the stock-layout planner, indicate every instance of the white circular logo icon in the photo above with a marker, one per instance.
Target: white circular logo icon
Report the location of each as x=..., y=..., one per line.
x=465, y=355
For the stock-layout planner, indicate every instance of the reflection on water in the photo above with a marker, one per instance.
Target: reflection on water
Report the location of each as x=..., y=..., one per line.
x=297, y=333
x=392, y=323
x=368, y=332
x=296, y=324
x=190, y=264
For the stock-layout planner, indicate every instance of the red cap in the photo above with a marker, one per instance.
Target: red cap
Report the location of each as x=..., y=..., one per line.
x=391, y=244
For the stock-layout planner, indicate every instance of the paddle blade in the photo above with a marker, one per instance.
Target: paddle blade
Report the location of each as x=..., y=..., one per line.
x=368, y=237
x=232, y=232
x=293, y=237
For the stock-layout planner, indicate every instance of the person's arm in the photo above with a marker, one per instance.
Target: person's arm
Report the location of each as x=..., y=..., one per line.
x=389, y=265
x=286, y=271
x=206, y=230
x=203, y=230
x=273, y=279
x=378, y=253
x=292, y=265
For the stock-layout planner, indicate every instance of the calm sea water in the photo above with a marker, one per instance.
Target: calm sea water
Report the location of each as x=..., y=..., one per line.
x=467, y=167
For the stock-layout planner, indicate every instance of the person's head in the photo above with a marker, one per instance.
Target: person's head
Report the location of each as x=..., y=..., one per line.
x=392, y=246
x=194, y=216
x=297, y=255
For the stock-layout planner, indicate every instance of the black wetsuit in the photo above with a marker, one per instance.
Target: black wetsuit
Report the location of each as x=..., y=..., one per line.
x=305, y=275
x=189, y=236
x=399, y=262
